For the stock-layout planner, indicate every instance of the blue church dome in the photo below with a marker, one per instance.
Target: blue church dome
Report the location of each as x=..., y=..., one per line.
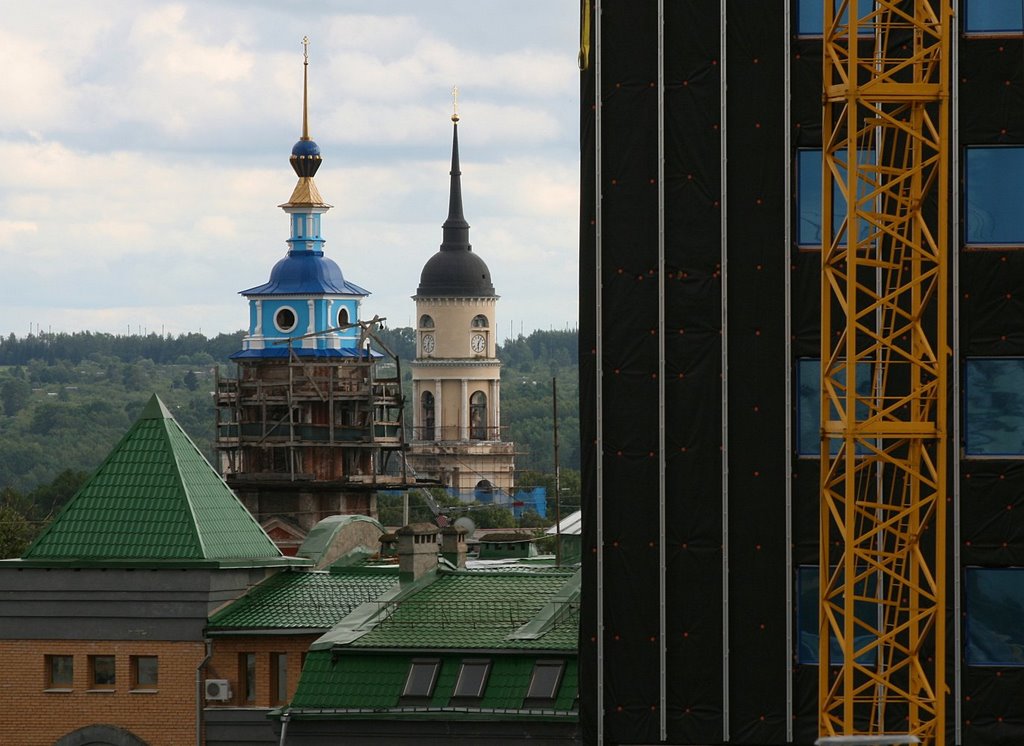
x=306, y=273
x=306, y=149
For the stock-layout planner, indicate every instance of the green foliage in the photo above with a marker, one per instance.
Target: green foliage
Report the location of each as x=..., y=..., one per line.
x=68, y=398
x=16, y=532
x=15, y=393
x=191, y=380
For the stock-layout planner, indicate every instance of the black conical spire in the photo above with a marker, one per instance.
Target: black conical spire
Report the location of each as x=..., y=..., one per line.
x=455, y=228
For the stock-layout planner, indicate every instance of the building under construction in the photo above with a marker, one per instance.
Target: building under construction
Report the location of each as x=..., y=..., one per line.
x=311, y=437
x=311, y=425
x=730, y=152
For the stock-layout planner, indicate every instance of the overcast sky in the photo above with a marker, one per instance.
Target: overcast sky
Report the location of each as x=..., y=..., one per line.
x=144, y=150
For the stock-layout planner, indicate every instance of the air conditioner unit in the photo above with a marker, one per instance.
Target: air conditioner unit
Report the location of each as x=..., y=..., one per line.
x=218, y=690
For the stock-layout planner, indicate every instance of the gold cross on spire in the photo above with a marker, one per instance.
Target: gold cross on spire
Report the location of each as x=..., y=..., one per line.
x=455, y=103
x=305, y=50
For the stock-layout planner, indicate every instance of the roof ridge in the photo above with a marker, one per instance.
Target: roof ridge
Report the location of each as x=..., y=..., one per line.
x=184, y=485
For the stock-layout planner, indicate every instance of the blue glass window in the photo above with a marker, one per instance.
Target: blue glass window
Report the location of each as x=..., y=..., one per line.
x=993, y=16
x=994, y=183
x=808, y=181
x=810, y=19
x=995, y=616
x=808, y=404
x=807, y=619
x=994, y=407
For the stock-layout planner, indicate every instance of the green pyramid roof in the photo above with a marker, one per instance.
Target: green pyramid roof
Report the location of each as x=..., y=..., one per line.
x=154, y=500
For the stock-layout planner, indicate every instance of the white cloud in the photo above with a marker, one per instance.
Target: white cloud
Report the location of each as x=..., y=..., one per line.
x=147, y=153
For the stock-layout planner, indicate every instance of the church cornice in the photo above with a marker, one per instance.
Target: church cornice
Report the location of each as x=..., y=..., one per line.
x=455, y=363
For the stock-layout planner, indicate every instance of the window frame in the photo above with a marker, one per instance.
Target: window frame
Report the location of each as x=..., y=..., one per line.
x=798, y=430
x=798, y=203
x=278, y=678
x=971, y=620
x=967, y=452
x=820, y=33
x=277, y=325
x=989, y=32
x=246, y=677
x=94, y=684
x=978, y=245
x=812, y=571
x=478, y=415
x=466, y=665
x=421, y=693
x=51, y=682
x=533, y=697
x=137, y=683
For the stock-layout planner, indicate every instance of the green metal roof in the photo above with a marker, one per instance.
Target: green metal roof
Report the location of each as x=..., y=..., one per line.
x=481, y=610
x=322, y=534
x=155, y=499
x=370, y=686
x=303, y=600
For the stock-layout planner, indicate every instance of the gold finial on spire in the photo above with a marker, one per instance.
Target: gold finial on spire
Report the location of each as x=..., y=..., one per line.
x=305, y=87
x=455, y=104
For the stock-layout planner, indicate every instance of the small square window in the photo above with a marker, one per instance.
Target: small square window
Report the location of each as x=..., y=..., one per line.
x=60, y=671
x=472, y=678
x=145, y=671
x=102, y=672
x=547, y=675
x=422, y=677
x=994, y=407
x=993, y=16
x=994, y=597
x=993, y=184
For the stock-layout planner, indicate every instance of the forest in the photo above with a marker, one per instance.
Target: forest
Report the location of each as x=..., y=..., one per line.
x=66, y=399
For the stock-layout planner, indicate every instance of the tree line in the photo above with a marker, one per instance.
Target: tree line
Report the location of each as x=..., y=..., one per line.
x=66, y=399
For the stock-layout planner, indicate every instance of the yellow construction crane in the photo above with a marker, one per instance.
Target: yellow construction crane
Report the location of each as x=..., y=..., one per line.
x=884, y=346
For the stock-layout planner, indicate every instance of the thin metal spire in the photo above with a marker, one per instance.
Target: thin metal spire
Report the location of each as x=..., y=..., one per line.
x=305, y=87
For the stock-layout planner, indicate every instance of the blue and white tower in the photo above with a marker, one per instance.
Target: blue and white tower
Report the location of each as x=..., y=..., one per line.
x=311, y=425
x=307, y=299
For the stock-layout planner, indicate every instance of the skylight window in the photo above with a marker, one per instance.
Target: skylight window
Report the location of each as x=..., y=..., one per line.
x=547, y=675
x=422, y=677
x=472, y=678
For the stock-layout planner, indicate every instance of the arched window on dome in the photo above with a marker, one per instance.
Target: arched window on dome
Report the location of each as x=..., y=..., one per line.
x=427, y=413
x=478, y=416
x=479, y=322
x=426, y=322
x=343, y=316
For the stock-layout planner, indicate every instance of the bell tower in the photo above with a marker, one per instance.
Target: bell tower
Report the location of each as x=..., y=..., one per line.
x=457, y=375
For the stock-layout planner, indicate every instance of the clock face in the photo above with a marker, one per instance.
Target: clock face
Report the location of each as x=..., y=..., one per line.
x=477, y=343
x=428, y=343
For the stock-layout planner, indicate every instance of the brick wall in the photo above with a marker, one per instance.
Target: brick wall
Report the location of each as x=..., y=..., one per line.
x=163, y=716
x=225, y=664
